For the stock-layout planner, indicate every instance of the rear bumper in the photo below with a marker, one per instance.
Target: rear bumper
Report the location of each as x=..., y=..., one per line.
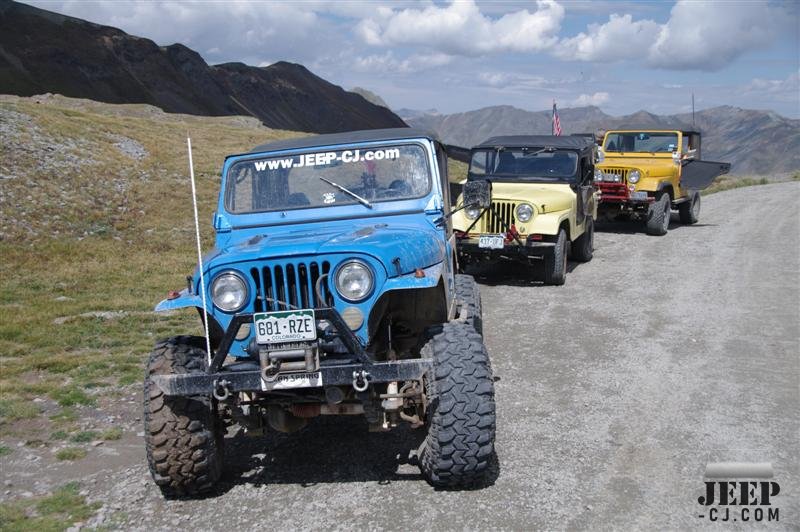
x=468, y=248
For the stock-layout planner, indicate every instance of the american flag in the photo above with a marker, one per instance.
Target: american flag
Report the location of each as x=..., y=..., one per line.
x=556, y=121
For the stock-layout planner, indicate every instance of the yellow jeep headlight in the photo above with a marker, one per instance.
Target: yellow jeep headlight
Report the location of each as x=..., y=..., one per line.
x=633, y=176
x=472, y=212
x=524, y=212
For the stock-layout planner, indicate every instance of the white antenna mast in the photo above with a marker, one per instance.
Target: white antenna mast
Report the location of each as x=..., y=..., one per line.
x=199, y=250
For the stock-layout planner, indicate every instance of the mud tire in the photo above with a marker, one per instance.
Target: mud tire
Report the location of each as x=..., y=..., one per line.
x=459, y=447
x=555, y=267
x=689, y=211
x=182, y=434
x=658, y=215
x=469, y=295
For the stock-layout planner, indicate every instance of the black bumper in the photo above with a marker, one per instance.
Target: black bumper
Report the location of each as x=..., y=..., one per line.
x=468, y=248
x=250, y=381
x=244, y=376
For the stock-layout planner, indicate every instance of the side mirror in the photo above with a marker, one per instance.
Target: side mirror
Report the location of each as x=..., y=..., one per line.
x=601, y=155
x=478, y=194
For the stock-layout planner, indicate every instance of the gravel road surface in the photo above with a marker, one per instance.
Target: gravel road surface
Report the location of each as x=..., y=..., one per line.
x=614, y=391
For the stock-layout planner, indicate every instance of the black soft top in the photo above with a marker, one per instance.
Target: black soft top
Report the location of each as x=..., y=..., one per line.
x=347, y=137
x=538, y=141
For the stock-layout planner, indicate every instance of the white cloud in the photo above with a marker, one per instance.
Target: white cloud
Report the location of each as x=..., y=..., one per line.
x=388, y=63
x=461, y=29
x=596, y=99
x=709, y=35
x=619, y=38
x=697, y=36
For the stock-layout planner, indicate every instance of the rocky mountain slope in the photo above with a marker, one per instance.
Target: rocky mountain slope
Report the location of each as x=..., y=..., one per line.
x=44, y=52
x=754, y=142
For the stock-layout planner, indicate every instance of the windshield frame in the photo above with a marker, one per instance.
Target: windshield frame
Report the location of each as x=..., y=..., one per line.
x=678, y=140
x=232, y=161
x=523, y=178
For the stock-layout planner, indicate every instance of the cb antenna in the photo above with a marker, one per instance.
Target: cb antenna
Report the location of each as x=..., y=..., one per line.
x=199, y=249
x=693, y=110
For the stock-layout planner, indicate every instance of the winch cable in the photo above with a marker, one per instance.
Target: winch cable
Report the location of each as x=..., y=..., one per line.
x=199, y=250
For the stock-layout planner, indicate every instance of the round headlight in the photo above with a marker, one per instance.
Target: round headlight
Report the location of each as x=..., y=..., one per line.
x=472, y=212
x=229, y=292
x=354, y=280
x=598, y=174
x=524, y=212
x=633, y=176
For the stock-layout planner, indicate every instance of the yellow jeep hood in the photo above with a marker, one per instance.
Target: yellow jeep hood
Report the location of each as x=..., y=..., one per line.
x=545, y=197
x=643, y=163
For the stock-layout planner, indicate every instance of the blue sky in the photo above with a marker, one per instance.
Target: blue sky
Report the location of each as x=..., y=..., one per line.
x=463, y=55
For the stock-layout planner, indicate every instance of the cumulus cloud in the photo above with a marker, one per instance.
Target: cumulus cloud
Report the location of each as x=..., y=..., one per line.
x=697, y=36
x=461, y=29
x=596, y=99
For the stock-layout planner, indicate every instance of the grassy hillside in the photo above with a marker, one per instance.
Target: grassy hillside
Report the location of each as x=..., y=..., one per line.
x=97, y=227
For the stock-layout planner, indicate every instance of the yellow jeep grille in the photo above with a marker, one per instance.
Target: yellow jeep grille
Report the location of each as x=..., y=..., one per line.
x=491, y=223
x=622, y=172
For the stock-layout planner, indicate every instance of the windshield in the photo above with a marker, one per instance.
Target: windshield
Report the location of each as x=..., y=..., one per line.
x=522, y=163
x=642, y=142
x=327, y=179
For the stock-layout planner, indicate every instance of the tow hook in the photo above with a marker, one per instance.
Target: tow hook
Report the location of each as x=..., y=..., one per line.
x=221, y=391
x=360, y=380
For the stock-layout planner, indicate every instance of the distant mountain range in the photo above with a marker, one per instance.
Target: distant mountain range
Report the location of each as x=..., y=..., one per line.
x=754, y=142
x=42, y=52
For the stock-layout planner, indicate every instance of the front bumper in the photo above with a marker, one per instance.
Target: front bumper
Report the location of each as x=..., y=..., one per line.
x=532, y=249
x=619, y=193
x=355, y=368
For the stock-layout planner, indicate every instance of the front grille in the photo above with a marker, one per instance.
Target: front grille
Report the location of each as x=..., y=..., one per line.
x=622, y=172
x=291, y=285
x=492, y=223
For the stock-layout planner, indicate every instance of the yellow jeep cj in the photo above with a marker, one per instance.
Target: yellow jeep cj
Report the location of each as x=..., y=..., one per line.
x=528, y=198
x=644, y=174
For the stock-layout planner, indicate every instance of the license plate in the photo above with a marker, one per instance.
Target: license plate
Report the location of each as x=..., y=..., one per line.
x=290, y=381
x=639, y=196
x=491, y=241
x=285, y=326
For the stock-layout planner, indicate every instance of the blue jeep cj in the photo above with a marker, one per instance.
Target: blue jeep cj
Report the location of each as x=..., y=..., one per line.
x=331, y=290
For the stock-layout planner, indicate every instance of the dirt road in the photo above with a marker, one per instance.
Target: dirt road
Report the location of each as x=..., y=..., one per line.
x=615, y=390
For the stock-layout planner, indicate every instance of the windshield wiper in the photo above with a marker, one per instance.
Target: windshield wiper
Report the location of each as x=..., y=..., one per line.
x=548, y=149
x=349, y=192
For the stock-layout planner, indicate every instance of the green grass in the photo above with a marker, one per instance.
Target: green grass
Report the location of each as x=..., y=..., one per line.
x=114, y=433
x=55, y=512
x=728, y=183
x=71, y=453
x=4, y=450
x=16, y=409
x=84, y=436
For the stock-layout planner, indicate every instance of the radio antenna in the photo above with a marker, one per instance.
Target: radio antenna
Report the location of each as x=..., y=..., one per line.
x=693, y=110
x=199, y=249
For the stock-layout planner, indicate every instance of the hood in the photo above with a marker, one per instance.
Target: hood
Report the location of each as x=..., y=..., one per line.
x=410, y=247
x=545, y=197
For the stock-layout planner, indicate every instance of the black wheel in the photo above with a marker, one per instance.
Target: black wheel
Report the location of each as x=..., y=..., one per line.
x=555, y=267
x=461, y=412
x=182, y=434
x=689, y=211
x=658, y=215
x=583, y=247
x=469, y=295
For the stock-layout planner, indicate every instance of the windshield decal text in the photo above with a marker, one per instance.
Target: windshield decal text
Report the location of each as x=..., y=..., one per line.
x=327, y=158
